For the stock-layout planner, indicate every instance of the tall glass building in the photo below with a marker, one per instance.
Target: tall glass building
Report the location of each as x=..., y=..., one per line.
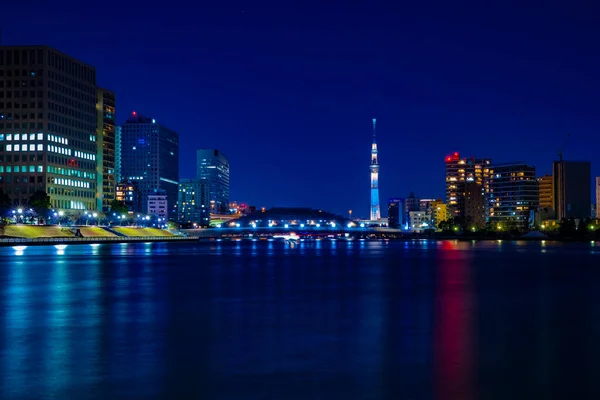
x=149, y=154
x=48, y=127
x=106, y=148
x=213, y=168
x=514, y=195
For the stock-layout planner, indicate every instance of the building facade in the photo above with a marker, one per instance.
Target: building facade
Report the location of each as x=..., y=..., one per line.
x=439, y=213
x=118, y=176
x=514, y=196
x=213, y=170
x=597, y=194
x=473, y=205
x=572, y=189
x=395, y=213
x=105, y=156
x=48, y=127
x=128, y=193
x=194, y=202
x=546, y=184
x=149, y=154
x=158, y=203
x=461, y=170
x=418, y=221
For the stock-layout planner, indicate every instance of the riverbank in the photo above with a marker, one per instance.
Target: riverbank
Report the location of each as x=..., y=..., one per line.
x=94, y=240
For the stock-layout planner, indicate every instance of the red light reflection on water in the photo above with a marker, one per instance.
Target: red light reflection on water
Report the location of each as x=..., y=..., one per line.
x=454, y=340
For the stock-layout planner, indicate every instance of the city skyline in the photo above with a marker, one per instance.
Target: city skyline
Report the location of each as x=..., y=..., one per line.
x=429, y=93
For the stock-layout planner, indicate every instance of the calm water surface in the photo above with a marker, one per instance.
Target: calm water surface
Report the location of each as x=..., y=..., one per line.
x=317, y=320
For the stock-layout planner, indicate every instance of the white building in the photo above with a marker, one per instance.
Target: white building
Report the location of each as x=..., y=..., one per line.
x=418, y=221
x=158, y=203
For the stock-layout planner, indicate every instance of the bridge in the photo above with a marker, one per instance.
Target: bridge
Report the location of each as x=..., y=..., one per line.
x=303, y=232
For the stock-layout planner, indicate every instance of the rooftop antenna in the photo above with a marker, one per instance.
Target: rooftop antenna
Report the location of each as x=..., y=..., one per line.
x=562, y=148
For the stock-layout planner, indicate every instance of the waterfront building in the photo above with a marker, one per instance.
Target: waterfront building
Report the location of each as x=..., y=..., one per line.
x=395, y=213
x=118, y=176
x=597, y=194
x=472, y=202
x=149, y=154
x=194, y=202
x=418, y=221
x=460, y=170
x=514, y=196
x=438, y=213
x=411, y=203
x=213, y=169
x=375, y=213
x=128, y=194
x=158, y=203
x=48, y=127
x=105, y=156
x=572, y=189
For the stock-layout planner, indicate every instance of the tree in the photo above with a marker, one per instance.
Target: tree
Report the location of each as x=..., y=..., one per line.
x=567, y=227
x=40, y=202
x=5, y=203
x=118, y=207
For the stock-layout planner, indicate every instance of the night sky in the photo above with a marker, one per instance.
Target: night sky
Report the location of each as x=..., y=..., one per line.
x=287, y=90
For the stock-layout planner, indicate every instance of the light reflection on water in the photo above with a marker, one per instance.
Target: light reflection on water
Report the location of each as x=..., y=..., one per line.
x=268, y=319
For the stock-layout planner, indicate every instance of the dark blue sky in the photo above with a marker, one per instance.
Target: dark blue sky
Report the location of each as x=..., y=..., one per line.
x=288, y=89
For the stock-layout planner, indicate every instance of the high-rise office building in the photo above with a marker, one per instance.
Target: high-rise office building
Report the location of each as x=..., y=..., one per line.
x=514, y=195
x=395, y=212
x=118, y=176
x=572, y=189
x=213, y=168
x=48, y=127
x=105, y=177
x=194, y=202
x=463, y=170
x=150, y=157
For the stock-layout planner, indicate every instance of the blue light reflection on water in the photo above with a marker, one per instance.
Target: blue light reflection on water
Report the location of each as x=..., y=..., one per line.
x=356, y=319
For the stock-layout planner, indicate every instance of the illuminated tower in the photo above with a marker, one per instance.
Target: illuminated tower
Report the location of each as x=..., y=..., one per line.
x=375, y=213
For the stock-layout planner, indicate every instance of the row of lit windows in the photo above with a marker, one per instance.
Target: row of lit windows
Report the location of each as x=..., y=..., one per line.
x=86, y=156
x=24, y=136
x=21, y=168
x=58, y=139
x=71, y=172
x=17, y=147
x=59, y=150
x=71, y=182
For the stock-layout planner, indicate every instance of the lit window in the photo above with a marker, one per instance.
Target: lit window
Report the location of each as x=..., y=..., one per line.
x=32, y=147
x=40, y=136
x=31, y=168
x=17, y=168
x=40, y=147
x=1, y=136
x=17, y=136
x=1, y=168
x=40, y=168
x=17, y=147
x=24, y=147
x=9, y=136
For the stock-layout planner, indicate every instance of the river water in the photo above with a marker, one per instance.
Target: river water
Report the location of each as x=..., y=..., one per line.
x=313, y=320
